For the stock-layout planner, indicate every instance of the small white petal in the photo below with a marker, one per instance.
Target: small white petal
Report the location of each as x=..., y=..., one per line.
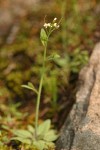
x=55, y=19
x=55, y=24
x=58, y=26
x=49, y=24
x=45, y=25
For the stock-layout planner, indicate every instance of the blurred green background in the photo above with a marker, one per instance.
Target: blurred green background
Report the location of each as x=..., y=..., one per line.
x=21, y=50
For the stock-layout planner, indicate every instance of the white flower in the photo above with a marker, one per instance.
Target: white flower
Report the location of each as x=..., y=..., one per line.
x=49, y=24
x=45, y=25
x=55, y=24
x=54, y=19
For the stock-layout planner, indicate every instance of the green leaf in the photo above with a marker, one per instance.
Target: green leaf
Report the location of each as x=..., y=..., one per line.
x=53, y=57
x=1, y=143
x=50, y=145
x=30, y=86
x=22, y=140
x=56, y=56
x=31, y=129
x=39, y=144
x=5, y=127
x=43, y=37
x=26, y=86
x=62, y=62
x=50, y=136
x=44, y=127
x=22, y=133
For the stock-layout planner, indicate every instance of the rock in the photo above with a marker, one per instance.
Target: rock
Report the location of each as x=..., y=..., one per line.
x=81, y=130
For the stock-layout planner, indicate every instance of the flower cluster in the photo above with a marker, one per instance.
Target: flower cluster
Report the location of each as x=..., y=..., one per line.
x=53, y=25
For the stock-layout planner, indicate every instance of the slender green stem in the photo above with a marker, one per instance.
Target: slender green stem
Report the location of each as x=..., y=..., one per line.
x=39, y=92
